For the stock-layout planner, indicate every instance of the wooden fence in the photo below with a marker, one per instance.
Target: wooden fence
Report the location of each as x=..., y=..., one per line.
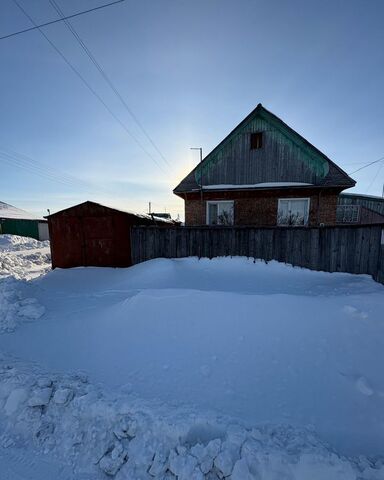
x=353, y=249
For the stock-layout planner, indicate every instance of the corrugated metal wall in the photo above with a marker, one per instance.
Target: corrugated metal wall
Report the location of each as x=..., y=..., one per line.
x=24, y=228
x=375, y=204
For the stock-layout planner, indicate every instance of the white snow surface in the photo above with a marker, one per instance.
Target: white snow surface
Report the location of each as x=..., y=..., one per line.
x=190, y=369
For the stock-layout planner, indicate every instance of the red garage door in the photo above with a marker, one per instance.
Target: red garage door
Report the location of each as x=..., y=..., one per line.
x=98, y=233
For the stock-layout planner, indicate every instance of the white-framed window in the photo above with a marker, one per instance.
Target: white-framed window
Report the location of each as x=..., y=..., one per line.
x=220, y=212
x=293, y=211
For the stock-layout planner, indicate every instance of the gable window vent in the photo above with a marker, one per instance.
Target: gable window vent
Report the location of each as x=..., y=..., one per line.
x=256, y=140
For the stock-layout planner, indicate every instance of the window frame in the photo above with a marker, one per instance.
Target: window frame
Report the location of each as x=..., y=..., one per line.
x=217, y=202
x=292, y=199
x=259, y=136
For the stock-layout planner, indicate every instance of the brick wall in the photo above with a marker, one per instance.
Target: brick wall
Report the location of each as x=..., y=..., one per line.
x=194, y=212
x=327, y=210
x=260, y=207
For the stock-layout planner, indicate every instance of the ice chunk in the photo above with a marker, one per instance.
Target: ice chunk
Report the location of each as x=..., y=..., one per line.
x=15, y=399
x=63, y=396
x=40, y=397
x=182, y=464
x=224, y=462
x=241, y=471
x=44, y=382
x=111, y=462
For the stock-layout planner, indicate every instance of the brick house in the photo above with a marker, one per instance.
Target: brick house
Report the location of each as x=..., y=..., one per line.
x=263, y=173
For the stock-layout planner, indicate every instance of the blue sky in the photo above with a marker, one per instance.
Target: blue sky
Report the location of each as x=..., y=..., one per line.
x=190, y=71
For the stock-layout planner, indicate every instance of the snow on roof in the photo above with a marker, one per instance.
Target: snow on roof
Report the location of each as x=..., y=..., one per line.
x=11, y=212
x=140, y=215
x=129, y=212
x=255, y=185
x=355, y=194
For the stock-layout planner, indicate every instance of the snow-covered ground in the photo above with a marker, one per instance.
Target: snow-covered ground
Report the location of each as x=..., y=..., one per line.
x=188, y=369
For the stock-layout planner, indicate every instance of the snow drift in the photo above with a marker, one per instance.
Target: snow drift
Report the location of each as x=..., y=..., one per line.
x=192, y=369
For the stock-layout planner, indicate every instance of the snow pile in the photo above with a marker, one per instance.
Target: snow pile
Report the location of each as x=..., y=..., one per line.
x=14, y=307
x=21, y=258
x=21, y=266
x=121, y=437
x=15, y=242
x=193, y=369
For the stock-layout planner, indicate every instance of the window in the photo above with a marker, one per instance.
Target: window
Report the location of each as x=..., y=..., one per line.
x=220, y=213
x=348, y=213
x=293, y=211
x=256, y=140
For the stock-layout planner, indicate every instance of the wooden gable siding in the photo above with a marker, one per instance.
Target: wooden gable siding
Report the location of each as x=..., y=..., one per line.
x=279, y=160
x=285, y=156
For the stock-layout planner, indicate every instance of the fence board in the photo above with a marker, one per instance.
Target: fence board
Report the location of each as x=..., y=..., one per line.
x=353, y=249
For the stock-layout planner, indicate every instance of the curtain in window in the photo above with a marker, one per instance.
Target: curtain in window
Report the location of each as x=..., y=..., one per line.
x=220, y=213
x=293, y=212
x=212, y=213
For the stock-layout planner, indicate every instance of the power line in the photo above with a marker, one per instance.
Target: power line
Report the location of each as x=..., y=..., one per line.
x=32, y=166
x=367, y=165
x=74, y=69
x=30, y=162
x=374, y=178
x=60, y=19
x=101, y=70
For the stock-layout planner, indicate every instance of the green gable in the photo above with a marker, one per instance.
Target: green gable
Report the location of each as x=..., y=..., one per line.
x=285, y=157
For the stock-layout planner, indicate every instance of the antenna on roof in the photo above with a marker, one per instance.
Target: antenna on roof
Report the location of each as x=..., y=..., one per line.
x=201, y=171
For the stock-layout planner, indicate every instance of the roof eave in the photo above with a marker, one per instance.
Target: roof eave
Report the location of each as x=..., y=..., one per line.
x=180, y=193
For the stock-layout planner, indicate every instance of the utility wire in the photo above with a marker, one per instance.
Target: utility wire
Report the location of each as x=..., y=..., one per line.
x=374, y=178
x=102, y=72
x=21, y=161
x=367, y=165
x=35, y=171
x=71, y=66
x=60, y=19
x=29, y=162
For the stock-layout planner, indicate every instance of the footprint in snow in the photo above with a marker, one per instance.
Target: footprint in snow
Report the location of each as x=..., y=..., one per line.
x=361, y=383
x=354, y=312
x=205, y=371
x=364, y=387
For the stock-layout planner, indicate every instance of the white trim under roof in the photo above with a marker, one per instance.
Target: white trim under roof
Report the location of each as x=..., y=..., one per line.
x=225, y=186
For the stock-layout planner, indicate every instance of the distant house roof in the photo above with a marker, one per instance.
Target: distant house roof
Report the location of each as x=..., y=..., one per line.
x=332, y=175
x=10, y=212
x=161, y=215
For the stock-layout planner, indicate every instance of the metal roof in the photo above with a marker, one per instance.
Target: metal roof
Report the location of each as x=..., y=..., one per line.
x=144, y=216
x=8, y=212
